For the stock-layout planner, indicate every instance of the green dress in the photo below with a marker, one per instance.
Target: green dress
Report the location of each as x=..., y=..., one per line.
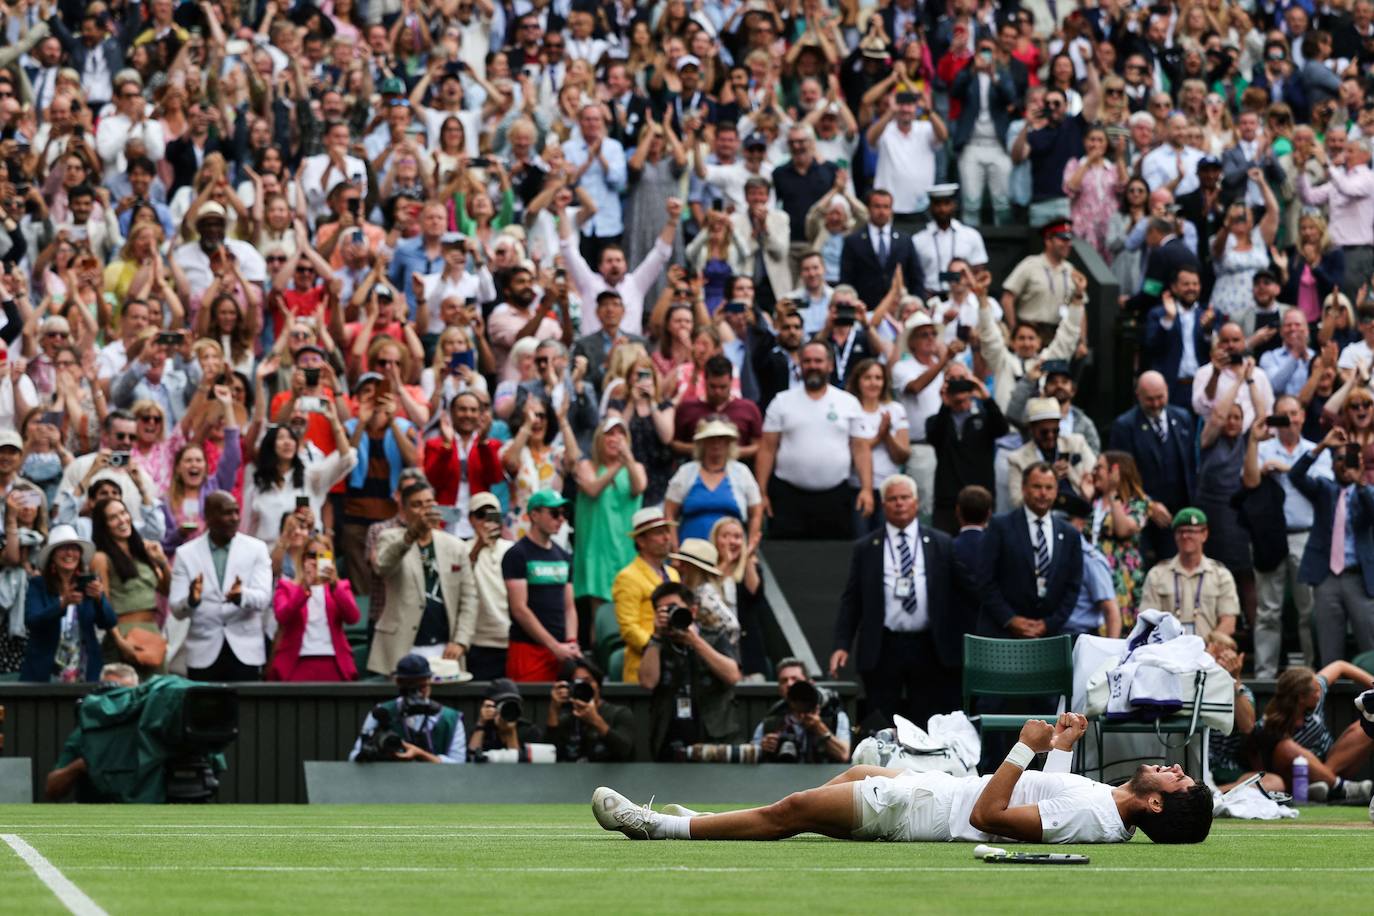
x=603, y=546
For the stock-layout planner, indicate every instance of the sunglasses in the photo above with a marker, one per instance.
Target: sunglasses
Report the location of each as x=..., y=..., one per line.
x=151, y=418
x=486, y=515
x=554, y=511
x=1116, y=92
x=386, y=362
x=124, y=437
x=130, y=95
x=55, y=334
x=671, y=609
x=312, y=555
x=276, y=259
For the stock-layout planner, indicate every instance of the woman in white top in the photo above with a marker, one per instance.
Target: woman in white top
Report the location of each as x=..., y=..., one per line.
x=278, y=479
x=884, y=425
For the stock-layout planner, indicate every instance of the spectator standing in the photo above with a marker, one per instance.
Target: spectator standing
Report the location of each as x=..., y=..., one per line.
x=460, y=462
x=899, y=603
x=610, y=486
x=486, y=657
x=1093, y=184
x=798, y=184
x=692, y=672
x=1177, y=342
x=1095, y=613
x=1281, y=445
x=222, y=582
x=431, y=597
x=1032, y=567
x=1242, y=250
x=944, y=240
x=987, y=94
x=1067, y=453
x=963, y=434
x=599, y=166
x=1232, y=373
x=714, y=485
x=312, y=610
x=535, y=458
x=652, y=534
x=61, y=616
x=136, y=576
x=1223, y=443
x=1120, y=507
x=1160, y=437
x=1051, y=139
x=873, y=255
x=809, y=440
x=386, y=445
x=1287, y=365
x=884, y=424
x=1348, y=195
x=763, y=236
x=613, y=272
x=906, y=137
x=597, y=345
x=1043, y=285
x=1338, y=561
x=720, y=402
x=279, y=478
x=538, y=573
x=1198, y=590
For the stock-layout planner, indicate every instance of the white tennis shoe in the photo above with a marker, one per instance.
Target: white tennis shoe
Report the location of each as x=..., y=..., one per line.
x=680, y=811
x=616, y=812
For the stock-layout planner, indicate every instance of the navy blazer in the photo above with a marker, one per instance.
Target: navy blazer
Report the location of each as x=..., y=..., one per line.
x=1235, y=168
x=1329, y=273
x=43, y=613
x=1161, y=265
x=1323, y=493
x=859, y=266
x=1131, y=432
x=1001, y=93
x=1162, y=350
x=863, y=604
x=1008, y=575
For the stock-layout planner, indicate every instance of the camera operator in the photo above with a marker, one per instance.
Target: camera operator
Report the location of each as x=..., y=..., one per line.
x=692, y=673
x=69, y=773
x=808, y=725
x=501, y=724
x=581, y=724
x=412, y=726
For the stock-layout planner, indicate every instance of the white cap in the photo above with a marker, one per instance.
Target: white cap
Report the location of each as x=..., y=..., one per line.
x=688, y=60
x=1038, y=409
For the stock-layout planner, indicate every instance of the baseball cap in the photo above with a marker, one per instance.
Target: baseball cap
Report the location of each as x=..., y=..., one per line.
x=1190, y=516
x=11, y=439
x=756, y=141
x=1059, y=229
x=449, y=239
x=412, y=667
x=392, y=86
x=688, y=60
x=545, y=499
x=481, y=501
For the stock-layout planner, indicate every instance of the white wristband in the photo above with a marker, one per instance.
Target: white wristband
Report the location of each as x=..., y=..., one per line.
x=1020, y=756
x=1059, y=761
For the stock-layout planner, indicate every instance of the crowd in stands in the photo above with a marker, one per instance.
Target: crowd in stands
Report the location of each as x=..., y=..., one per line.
x=453, y=322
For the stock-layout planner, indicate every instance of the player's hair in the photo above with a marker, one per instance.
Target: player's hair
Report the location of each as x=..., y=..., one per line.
x=1186, y=817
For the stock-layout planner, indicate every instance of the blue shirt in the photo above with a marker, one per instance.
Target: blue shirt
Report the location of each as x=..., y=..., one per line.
x=604, y=183
x=1352, y=560
x=1297, y=511
x=1097, y=587
x=410, y=258
x=1287, y=374
x=164, y=216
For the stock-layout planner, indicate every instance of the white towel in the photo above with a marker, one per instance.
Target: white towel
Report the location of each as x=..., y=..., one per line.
x=1250, y=804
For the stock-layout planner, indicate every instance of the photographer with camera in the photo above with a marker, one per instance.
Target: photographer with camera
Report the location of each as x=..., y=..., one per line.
x=692, y=673
x=412, y=726
x=69, y=773
x=501, y=723
x=808, y=725
x=581, y=724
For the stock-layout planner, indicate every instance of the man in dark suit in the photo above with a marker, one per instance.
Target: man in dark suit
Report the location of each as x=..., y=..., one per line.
x=972, y=510
x=776, y=358
x=964, y=434
x=1165, y=255
x=629, y=108
x=1205, y=208
x=870, y=256
x=1178, y=336
x=1160, y=437
x=188, y=152
x=596, y=346
x=1250, y=152
x=1032, y=564
x=899, y=602
x=95, y=41
x=1339, y=559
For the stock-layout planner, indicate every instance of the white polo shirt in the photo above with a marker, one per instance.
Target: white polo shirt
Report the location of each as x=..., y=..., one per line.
x=906, y=165
x=936, y=248
x=920, y=406
x=813, y=453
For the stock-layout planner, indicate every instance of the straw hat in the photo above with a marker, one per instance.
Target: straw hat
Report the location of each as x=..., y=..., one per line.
x=700, y=553
x=63, y=536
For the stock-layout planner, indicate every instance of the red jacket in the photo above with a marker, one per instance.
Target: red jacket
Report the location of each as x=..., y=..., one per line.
x=289, y=602
x=441, y=467
x=947, y=70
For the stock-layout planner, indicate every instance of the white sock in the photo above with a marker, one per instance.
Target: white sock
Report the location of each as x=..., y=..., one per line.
x=670, y=827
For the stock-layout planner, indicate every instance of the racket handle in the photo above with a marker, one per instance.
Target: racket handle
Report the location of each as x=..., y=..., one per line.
x=982, y=851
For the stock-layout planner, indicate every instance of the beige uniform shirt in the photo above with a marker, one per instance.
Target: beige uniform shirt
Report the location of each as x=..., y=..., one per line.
x=1198, y=599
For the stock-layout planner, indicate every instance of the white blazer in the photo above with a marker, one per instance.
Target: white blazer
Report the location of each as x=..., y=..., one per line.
x=214, y=620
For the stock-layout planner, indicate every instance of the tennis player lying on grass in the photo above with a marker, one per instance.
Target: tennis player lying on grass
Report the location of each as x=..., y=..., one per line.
x=873, y=803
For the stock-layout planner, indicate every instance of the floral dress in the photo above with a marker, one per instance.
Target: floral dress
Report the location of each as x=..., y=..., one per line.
x=542, y=471
x=1123, y=555
x=1094, y=203
x=1234, y=289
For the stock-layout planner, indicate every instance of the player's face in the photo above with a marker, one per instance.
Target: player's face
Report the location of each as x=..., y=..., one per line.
x=1154, y=778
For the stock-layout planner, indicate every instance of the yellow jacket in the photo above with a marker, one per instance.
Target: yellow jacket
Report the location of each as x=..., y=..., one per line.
x=634, y=611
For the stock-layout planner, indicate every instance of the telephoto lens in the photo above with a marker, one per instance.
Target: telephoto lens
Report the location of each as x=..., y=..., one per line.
x=681, y=618
x=583, y=691
x=509, y=710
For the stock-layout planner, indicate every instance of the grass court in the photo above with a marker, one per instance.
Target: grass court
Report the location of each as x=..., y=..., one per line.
x=432, y=859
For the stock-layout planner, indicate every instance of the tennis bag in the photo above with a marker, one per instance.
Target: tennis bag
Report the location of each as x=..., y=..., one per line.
x=951, y=746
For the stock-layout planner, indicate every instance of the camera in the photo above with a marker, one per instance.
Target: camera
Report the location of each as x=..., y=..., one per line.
x=169, y=338
x=845, y=314
x=510, y=710
x=1278, y=422
x=383, y=743
x=583, y=691
x=804, y=696
x=1235, y=359
x=680, y=618
x=312, y=377
x=119, y=459
x=1352, y=455
x=311, y=405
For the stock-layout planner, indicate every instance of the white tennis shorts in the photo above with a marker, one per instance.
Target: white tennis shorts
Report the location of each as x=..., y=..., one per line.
x=901, y=809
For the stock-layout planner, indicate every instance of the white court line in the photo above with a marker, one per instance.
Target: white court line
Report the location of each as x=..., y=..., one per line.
x=68, y=893
x=174, y=834
x=302, y=825
x=724, y=869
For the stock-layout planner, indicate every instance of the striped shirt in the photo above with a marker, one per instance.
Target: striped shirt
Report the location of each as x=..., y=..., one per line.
x=1313, y=733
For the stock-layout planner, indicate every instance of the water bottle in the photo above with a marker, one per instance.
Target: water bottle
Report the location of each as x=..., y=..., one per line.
x=1300, y=780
